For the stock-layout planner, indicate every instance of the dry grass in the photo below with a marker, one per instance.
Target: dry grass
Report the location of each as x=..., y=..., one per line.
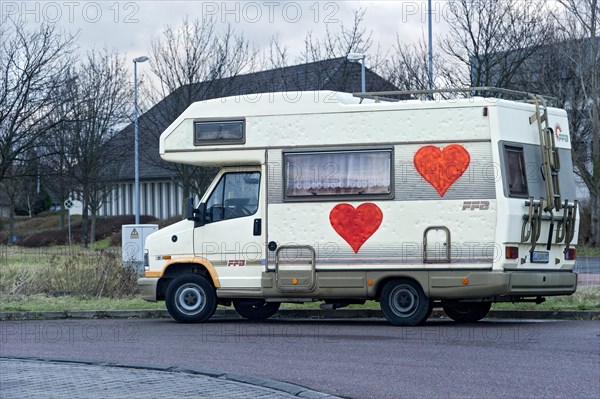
x=87, y=273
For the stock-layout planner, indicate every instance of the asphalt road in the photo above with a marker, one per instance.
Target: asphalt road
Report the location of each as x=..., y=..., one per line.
x=590, y=264
x=359, y=359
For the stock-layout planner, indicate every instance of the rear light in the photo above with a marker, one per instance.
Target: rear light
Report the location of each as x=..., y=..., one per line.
x=570, y=254
x=512, y=253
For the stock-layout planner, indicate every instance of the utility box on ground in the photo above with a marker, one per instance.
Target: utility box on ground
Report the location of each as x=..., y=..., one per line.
x=133, y=237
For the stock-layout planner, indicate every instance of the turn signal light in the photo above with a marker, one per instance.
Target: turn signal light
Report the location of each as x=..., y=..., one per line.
x=571, y=254
x=512, y=252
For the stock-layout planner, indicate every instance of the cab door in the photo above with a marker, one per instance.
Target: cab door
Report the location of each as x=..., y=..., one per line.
x=232, y=237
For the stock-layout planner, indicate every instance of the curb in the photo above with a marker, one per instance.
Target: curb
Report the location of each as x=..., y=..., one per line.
x=315, y=314
x=289, y=388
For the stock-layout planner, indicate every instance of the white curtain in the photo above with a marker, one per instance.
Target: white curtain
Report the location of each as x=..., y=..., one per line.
x=330, y=173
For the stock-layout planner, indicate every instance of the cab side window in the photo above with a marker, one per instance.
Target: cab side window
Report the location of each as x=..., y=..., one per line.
x=235, y=196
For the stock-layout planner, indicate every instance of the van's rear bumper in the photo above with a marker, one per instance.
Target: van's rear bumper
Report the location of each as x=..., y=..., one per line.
x=501, y=284
x=541, y=283
x=147, y=288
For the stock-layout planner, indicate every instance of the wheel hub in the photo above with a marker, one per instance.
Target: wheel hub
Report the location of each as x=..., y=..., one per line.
x=404, y=301
x=190, y=298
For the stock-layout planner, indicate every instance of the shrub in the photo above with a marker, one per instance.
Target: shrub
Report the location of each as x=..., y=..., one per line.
x=86, y=273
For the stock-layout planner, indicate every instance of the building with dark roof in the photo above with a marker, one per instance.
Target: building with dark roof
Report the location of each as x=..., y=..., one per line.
x=161, y=191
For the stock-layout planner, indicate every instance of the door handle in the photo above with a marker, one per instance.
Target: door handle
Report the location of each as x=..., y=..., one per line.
x=257, y=227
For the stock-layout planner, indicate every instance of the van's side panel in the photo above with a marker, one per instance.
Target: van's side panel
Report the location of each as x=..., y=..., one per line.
x=467, y=210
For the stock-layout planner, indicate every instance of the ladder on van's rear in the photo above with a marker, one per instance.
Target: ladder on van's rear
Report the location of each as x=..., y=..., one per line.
x=550, y=168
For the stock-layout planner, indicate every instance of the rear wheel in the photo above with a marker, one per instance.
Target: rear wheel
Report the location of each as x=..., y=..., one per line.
x=191, y=298
x=404, y=303
x=255, y=309
x=466, y=312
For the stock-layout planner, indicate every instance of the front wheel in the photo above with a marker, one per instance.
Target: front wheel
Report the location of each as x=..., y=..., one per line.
x=191, y=299
x=404, y=303
x=466, y=312
x=255, y=309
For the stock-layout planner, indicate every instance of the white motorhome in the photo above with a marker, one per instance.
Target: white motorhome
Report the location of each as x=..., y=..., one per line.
x=341, y=198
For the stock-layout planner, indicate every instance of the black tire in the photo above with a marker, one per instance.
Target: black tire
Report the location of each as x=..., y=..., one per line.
x=466, y=312
x=255, y=309
x=404, y=303
x=191, y=299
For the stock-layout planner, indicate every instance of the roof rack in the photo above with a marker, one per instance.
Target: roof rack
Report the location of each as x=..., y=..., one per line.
x=467, y=92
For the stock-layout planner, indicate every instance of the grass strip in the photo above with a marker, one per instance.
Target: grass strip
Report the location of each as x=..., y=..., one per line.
x=583, y=299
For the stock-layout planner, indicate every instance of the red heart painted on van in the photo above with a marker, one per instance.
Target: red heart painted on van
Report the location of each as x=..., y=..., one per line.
x=355, y=225
x=441, y=168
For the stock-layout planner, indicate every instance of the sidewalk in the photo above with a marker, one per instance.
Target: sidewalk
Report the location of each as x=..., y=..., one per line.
x=28, y=378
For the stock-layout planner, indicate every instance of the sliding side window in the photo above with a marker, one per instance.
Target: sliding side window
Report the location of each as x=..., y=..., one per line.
x=358, y=173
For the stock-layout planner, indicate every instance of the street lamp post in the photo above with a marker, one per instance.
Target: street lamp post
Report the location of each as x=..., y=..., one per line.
x=430, y=48
x=356, y=57
x=136, y=139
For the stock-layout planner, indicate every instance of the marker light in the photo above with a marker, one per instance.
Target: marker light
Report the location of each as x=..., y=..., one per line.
x=512, y=252
x=571, y=254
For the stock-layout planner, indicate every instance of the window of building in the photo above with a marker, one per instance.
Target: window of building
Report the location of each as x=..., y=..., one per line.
x=516, y=170
x=219, y=132
x=338, y=173
x=236, y=195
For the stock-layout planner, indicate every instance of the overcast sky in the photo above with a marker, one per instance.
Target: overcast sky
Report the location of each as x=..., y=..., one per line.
x=128, y=26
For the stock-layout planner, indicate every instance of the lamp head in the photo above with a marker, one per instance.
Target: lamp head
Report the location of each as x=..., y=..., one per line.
x=354, y=57
x=141, y=59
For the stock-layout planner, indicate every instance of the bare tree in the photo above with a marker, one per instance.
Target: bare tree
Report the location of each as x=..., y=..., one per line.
x=335, y=45
x=192, y=62
x=13, y=188
x=490, y=40
x=32, y=69
x=353, y=39
x=277, y=55
x=578, y=43
x=407, y=67
x=100, y=96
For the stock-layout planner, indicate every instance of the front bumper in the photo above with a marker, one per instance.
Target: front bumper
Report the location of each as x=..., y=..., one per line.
x=147, y=288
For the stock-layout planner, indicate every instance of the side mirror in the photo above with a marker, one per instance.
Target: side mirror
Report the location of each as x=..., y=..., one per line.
x=190, y=211
x=196, y=214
